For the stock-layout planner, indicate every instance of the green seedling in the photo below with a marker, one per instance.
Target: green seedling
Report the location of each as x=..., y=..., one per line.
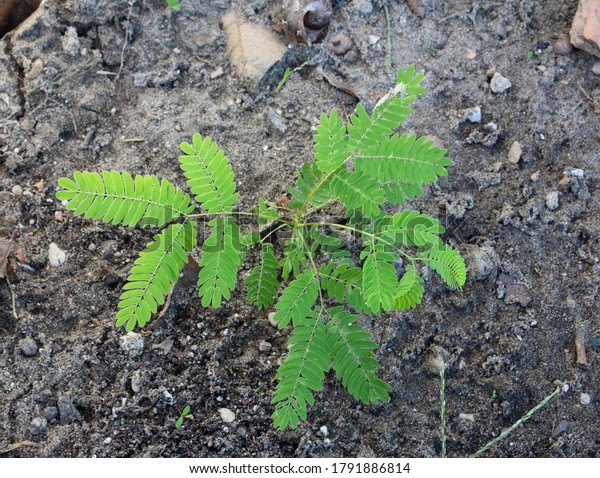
x=288, y=72
x=174, y=4
x=334, y=250
x=182, y=416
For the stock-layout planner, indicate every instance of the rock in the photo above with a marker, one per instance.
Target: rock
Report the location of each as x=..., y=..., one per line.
x=585, y=29
x=164, y=398
x=373, y=39
x=596, y=68
x=515, y=152
x=340, y=44
x=563, y=46
x=17, y=190
x=482, y=262
x=251, y=48
x=143, y=80
x=562, y=427
x=306, y=21
x=132, y=344
x=226, y=415
x=28, y=347
x=515, y=292
x=324, y=431
x=473, y=114
x=66, y=410
x=552, y=200
x=264, y=347
x=136, y=381
x=50, y=413
x=276, y=120
x=499, y=83
x=56, y=256
x=485, y=180
x=38, y=426
x=585, y=399
x=272, y=319
x=467, y=417
x=107, y=441
x=70, y=42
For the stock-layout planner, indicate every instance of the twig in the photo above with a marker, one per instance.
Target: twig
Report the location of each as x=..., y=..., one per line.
x=509, y=430
x=131, y=4
x=388, y=37
x=167, y=303
x=14, y=299
x=443, y=407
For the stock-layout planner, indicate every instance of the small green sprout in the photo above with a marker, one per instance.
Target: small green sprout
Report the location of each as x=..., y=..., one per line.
x=174, y=4
x=288, y=72
x=182, y=415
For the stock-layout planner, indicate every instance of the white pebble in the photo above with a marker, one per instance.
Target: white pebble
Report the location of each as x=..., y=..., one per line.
x=17, y=190
x=585, y=399
x=132, y=343
x=56, y=256
x=226, y=415
x=272, y=319
x=552, y=200
x=107, y=440
x=324, y=431
x=499, y=84
x=596, y=68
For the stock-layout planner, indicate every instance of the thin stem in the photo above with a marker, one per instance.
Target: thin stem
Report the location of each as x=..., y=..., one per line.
x=509, y=430
x=443, y=407
x=358, y=231
x=14, y=299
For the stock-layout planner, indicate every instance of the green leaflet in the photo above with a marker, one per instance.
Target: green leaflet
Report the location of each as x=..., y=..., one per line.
x=209, y=175
x=448, y=263
x=330, y=143
x=354, y=364
x=120, y=199
x=155, y=272
x=297, y=299
x=262, y=284
x=221, y=257
x=302, y=371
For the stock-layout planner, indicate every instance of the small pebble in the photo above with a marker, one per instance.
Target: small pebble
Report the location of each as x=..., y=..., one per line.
x=563, y=46
x=132, y=344
x=471, y=54
x=66, y=409
x=596, y=68
x=264, y=346
x=28, y=347
x=50, y=413
x=38, y=426
x=272, y=319
x=324, y=431
x=373, y=39
x=107, y=440
x=340, y=44
x=499, y=84
x=562, y=427
x=585, y=399
x=468, y=417
x=56, y=256
x=473, y=114
x=136, y=381
x=552, y=200
x=226, y=415
x=515, y=152
x=17, y=190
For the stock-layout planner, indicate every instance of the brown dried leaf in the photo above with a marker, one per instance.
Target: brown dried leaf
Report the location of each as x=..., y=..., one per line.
x=14, y=446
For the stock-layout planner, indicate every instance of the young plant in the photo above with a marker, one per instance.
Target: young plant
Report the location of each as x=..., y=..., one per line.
x=174, y=4
x=182, y=416
x=327, y=269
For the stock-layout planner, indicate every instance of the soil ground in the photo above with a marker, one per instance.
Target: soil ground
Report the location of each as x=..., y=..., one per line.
x=75, y=96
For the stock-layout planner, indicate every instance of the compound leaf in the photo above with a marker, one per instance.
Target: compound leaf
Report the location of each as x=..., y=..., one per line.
x=209, y=175
x=262, y=283
x=156, y=270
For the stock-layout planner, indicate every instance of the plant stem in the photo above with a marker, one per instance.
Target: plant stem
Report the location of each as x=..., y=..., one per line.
x=509, y=430
x=443, y=407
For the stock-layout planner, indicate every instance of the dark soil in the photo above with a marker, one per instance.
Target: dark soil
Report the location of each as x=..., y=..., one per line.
x=74, y=97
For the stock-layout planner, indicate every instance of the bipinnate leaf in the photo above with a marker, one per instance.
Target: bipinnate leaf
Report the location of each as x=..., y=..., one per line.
x=379, y=279
x=405, y=158
x=219, y=262
x=354, y=363
x=118, y=198
x=155, y=272
x=303, y=370
x=358, y=192
x=209, y=175
x=330, y=143
x=448, y=263
x=297, y=299
x=262, y=284
x=410, y=290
